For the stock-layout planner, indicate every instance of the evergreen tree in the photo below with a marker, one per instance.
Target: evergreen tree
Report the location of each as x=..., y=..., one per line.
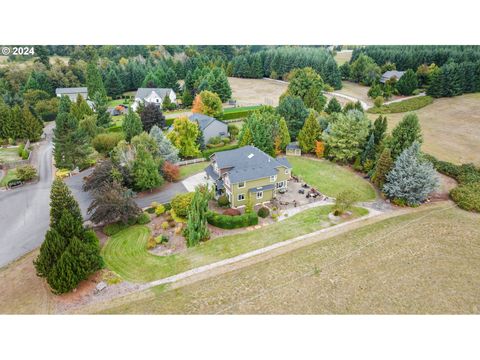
x=368, y=153
x=16, y=123
x=197, y=229
x=50, y=251
x=383, y=167
x=375, y=91
x=165, y=148
x=405, y=134
x=411, y=180
x=310, y=133
x=145, y=170
x=101, y=107
x=132, y=125
x=308, y=85
x=333, y=106
x=151, y=116
x=184, y=136
x=170, y=80
x=219, y=84
x=113, y=84
x=435, y=88
x=151, y=81
x=407, y=83
x=379, y=129
x=33, y=128
x=293, y=110
x=94, y=82
x=80, y=108
x=6, y=127
x=65, y=105
x=245, y=137
x=61, y=199
x=283, y=134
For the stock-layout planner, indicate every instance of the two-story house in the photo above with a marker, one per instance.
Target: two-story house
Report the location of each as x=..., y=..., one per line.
x=247, y=172
x=153, y=95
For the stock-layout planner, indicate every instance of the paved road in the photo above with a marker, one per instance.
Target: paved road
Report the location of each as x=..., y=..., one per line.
x=24, y=212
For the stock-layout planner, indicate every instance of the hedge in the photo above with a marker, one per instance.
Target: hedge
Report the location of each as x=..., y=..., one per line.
x=402, y=106
x=232, y=222
x=206, y=153
x=467, y=194
x=238, y=113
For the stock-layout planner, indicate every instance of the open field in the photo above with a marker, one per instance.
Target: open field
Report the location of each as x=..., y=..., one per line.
x=355, y=90
x=53, y=59
x=249, y=92
x=450, y=126
x=9, y=155
x=342, y=57
x=330, y=179
x=125, y=253
x=426, y=262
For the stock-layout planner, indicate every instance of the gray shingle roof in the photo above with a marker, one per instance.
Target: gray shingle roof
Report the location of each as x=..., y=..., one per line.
x=72, y=90
x=391, y=73
x=249, y=163
x=293, y=146
x=203, y=121
x=142, y=93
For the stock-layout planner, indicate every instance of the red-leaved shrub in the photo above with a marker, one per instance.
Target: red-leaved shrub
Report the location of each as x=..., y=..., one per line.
x=171, y=172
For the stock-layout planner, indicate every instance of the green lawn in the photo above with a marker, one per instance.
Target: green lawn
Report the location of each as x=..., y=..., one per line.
x=116, y=102
x=125, y=253
x=240, y=109
x=11, y=174
x=9, y=154
x=192, y=169
x=331, y=179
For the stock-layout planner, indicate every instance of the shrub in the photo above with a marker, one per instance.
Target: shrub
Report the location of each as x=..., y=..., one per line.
x=232, y=212
x=159, y=210
x=171, y=172
x=25, y=154
x=214, y=140
x=165, y=225
x=112, y=229
x=168, y=207
x=467, y=196
x=181, y=204
x=161, y=239
x=143, y=219
x=150, y=210
x=378, y=102
x=151, y=243
x=26, y=172
x=263, y=212
x=232, y=222
x=208, y=152
x=104, y=143
x=223, y=201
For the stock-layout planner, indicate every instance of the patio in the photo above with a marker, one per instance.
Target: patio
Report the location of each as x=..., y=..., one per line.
x=298, y=194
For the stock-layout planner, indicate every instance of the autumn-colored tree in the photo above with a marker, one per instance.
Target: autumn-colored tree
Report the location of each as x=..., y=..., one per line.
x=278, y=145
x=319, y=148
x=197, y=105
x=171, y=172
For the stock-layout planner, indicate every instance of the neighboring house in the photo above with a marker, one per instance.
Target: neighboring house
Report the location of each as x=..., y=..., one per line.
x=209, y=126
x=153, y=95
x=293, y=149
x=73, y=93
x=247, y=172
x=391, y=74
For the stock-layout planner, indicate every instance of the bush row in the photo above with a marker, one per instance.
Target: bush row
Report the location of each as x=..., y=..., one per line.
x=232, y=222
x=403, y=106
x=235, y=114
x=206, y=153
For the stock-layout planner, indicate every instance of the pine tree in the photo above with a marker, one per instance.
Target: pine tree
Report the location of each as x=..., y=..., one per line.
x=50, y=251
x=333, y=106
x=132, y=125
x=197, y=229
x=407, y=83
x=170, y=80
x=411, y=180
x=151, y=81
x=405, y=134
x=245, y=137
x=113, y=84
x=165, y=148
x=145, y=170
x=283, y=134
x=383, y=167
x=310, y=133
x=33, y=128
x=94, y=82
x=369, y=151
x=379, y=129
x=61, y=199
x=16, y=121
x=80, y=108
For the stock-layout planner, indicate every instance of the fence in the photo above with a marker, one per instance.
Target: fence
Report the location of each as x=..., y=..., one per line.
x=191, y=161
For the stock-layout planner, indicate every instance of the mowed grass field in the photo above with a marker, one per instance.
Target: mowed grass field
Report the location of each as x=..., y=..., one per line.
x=425, y=262
x=329, y=178
x=192, y=169
x=126, y=254
x=9, y=155
x=249, y=92
x=342, y=57
x=450, y=127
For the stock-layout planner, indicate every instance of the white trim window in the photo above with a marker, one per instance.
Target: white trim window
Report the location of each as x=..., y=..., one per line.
x=241, y=184
x=259, y=195
x=241, y=197
x=280, y=184
x=273, y=178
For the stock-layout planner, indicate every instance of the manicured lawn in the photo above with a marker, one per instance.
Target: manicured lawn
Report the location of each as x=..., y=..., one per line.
x=11, y=174
x=426, y=262
x=343, y=57
x=125, y=253
x=9, y=154
x=240, y=109
x=116, y=102
x=331, y=179
x=403, y=106
x=192, y=169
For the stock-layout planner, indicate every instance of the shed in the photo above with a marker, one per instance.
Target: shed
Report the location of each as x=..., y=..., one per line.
x=293, y=149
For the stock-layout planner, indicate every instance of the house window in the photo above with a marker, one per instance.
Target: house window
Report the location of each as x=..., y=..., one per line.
x=280, y=184
x=241, y=185
x=273, y=178
x=241, y=197
x=157, y=100
x=259, y=194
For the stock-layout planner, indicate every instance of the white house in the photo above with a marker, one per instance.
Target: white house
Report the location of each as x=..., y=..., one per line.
x=153, y=95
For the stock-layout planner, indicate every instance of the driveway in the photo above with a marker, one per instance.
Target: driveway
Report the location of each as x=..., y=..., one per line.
x=24, y=211
x=193, y=181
